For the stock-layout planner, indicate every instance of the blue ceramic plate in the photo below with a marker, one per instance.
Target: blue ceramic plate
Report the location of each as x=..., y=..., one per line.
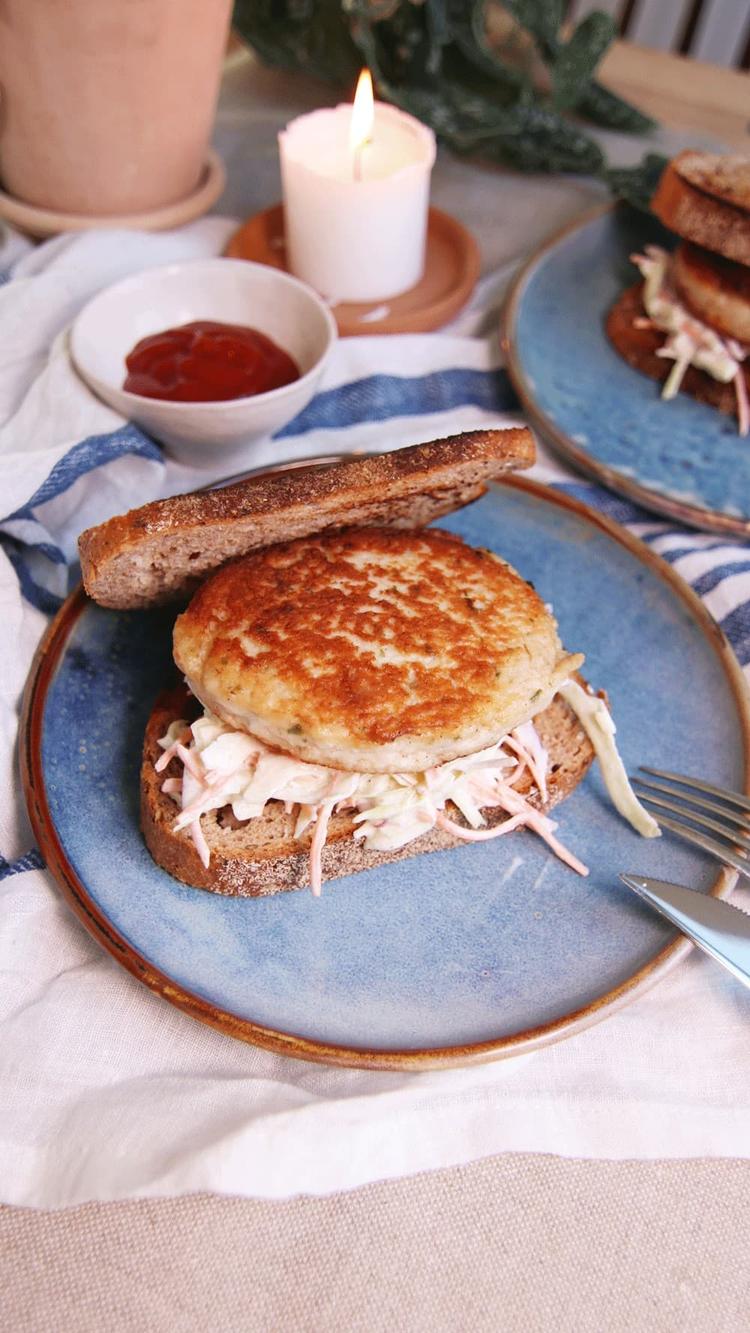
x=481, y=951
x=680, y=458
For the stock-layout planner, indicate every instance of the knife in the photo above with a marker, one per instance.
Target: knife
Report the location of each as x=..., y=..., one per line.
x=718, y=927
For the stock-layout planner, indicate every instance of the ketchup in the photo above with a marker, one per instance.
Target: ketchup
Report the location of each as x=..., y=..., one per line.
x=206, y=362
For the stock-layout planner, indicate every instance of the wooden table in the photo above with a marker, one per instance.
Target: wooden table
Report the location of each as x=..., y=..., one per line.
x=685, y=94
x=516, y=1242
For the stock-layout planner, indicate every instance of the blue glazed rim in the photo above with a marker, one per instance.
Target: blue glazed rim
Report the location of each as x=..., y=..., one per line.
x=695, y=516
x=76, y=894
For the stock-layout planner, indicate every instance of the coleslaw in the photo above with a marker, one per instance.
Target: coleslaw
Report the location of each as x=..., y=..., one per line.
x=223, y=767
x=689, y=341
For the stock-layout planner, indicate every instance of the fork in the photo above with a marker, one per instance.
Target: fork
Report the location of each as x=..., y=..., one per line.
x=731, y=824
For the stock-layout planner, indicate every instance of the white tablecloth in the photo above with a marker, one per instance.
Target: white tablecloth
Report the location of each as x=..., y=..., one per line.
x=107, y=1092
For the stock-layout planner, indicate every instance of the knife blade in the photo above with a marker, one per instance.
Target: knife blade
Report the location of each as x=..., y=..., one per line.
x=716, y=926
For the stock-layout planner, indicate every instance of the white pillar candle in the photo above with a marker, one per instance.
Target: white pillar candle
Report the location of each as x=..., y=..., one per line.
x=356, y=200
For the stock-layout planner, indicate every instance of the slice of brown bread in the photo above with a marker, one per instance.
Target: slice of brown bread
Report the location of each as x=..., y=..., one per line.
x=725, y=176
x=165, y=549
x=706, y=199
x=639, y=348
x=262, y=857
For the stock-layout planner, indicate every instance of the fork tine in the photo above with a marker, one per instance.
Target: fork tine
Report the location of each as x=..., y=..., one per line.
x=740, y=839
x=742, y=821
x=708, y=845
x=733, y=796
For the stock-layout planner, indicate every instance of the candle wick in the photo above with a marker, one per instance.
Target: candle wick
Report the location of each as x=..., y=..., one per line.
x=357, y=159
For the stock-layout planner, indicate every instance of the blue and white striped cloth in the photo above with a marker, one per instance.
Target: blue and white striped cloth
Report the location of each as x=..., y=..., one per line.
x=67, y=461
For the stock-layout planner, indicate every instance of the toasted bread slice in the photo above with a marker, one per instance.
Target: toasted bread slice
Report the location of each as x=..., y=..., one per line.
x=716, y=290
x=262, y=856
x=705, y=198
x=163, y=550
x=725, y=176
x=639, y=347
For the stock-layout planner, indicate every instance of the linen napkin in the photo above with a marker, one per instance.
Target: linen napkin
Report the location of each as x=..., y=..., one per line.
x=107, y=1092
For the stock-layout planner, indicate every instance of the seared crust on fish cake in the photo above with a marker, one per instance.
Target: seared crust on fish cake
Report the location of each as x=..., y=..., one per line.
x=262, y=856
x=393, y=652
x=716, y=290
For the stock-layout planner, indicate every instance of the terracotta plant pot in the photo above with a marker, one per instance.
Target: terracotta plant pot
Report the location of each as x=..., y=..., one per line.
x=107, y=108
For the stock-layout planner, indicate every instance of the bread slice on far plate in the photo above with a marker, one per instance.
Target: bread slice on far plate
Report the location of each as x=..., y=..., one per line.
x=705, y=197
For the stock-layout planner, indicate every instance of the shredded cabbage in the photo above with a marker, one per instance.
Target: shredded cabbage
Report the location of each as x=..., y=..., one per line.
x=689, y=341
x=599, y=725
x=224, y=767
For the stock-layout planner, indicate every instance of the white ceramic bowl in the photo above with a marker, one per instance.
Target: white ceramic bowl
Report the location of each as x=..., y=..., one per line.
x=232, y=291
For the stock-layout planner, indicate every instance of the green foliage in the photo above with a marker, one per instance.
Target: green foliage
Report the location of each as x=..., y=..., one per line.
x=612, y=112
x=542, y=18
x=637, y=184
x=576, y=61
x=433, y=58
x=310, y=35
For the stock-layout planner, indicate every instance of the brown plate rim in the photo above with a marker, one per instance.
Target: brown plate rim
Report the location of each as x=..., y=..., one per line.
x=695, y=516
x=77, y=896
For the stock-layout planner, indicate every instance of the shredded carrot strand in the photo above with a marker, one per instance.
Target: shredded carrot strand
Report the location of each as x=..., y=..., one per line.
x=316, y=847
x=476, y=834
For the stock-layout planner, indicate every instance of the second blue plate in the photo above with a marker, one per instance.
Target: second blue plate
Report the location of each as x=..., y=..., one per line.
x=679, y=458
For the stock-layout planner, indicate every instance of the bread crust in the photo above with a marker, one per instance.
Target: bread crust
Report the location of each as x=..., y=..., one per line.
x=639, y=347
x=709, y=219
x=263, y=857
x=724, y=176
x=163, y=550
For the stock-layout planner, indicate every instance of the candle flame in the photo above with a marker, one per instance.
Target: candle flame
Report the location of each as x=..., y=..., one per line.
x=363, y=113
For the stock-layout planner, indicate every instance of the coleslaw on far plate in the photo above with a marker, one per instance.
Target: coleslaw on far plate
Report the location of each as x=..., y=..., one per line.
x=689, y=341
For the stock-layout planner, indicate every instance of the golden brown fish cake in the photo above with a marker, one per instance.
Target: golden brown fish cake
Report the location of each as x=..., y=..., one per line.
x=372, y=650
x=716, y=290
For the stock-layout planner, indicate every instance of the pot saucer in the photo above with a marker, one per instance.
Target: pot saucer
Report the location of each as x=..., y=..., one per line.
x=41, y=222
x=451, y=272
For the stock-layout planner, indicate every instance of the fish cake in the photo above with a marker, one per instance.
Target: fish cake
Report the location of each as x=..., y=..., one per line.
x=372, y=650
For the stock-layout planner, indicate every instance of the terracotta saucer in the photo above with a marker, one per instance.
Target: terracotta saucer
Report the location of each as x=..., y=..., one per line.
x=451, y=272
x=47, y=222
